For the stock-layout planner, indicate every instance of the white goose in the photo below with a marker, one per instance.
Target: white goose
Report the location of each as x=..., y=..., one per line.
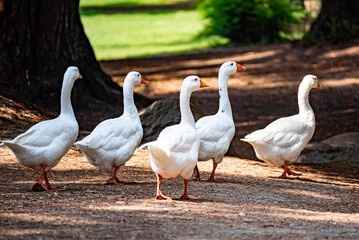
x=44, y=144
x=113, y=142
x=175, y=152
x=282, y=141
x=217, y=131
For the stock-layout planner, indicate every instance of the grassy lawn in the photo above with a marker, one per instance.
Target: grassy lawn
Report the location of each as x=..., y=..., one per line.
x=134, y=34
x=124, y=3
x=139, y=33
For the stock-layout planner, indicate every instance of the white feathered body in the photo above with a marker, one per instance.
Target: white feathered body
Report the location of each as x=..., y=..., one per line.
x=216, y=133
x=282, y=140
x=45, y=143
x=175, y=152
x=112, y=143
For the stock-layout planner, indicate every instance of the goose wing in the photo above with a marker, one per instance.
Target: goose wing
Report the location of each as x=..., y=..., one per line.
x=283, y=132
x=110, y=134
x=42, y=134
x=214, y=134
x=177, y=139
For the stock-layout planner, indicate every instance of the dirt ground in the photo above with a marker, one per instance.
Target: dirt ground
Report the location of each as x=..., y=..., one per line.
x=251, y=202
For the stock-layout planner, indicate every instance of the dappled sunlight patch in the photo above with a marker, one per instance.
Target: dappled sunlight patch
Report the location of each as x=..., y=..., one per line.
x=28, y=232
x=320, y=216
x=312, y=194
x=349, y=51
x=259, y=55
x=340, y=82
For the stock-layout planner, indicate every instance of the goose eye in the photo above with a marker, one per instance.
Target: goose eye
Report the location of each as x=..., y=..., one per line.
x=195, y=79
x=231, y=64
x=138, y=74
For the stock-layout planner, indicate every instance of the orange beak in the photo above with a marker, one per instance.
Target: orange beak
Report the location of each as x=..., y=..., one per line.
x=319, y=86
x=143, y=81
x=203, y=84
x=80, y=76
x=240, y=68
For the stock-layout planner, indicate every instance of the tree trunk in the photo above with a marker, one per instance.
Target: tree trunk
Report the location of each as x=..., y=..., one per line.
x=337, y=21
x=39, y=39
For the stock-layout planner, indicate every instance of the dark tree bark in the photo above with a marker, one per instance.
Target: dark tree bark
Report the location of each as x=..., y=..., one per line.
x=39, y=39
x=337, y=21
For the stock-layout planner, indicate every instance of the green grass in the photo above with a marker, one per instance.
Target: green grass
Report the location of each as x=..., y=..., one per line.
x=124, y=3
x=135, y=34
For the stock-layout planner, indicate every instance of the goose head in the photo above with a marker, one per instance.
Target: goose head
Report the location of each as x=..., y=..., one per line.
x=231, y=67
x=72, y=73
x=135, y=78
x=193, y=83
x=311, y=81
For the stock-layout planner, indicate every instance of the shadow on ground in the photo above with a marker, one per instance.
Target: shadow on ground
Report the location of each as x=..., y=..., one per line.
x=251, y=201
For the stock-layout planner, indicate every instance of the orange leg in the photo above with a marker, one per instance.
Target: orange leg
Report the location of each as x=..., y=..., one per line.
x=185, y=195
x=211, y=178
x=197, y=177
x=159, y=195
x=38, y=186
x=288, y=171
x=285, y=167
x=48, y=185
x=113, y=179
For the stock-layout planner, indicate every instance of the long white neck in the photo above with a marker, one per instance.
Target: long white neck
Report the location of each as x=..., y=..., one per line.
x=224, y=103
x=66, y=107
x=129, y=107
x=303, y=101
x=186, y=114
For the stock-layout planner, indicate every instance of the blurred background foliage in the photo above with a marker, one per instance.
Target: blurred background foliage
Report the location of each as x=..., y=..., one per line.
x=255, y=21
